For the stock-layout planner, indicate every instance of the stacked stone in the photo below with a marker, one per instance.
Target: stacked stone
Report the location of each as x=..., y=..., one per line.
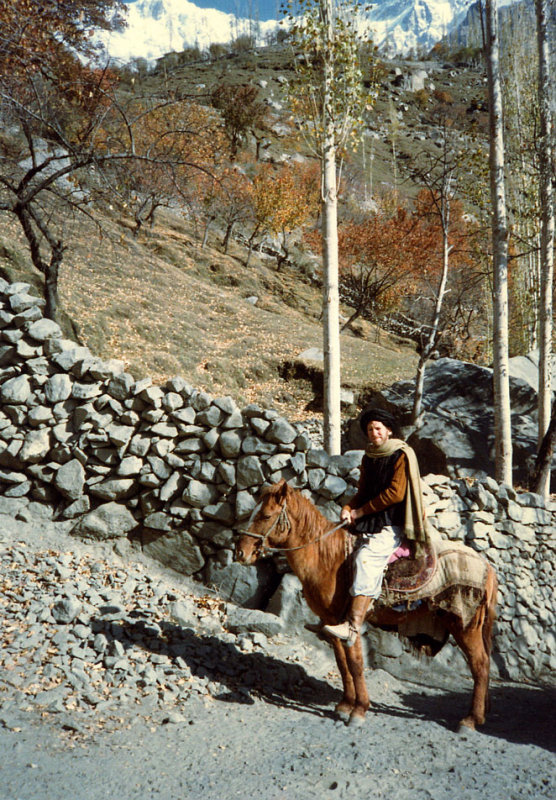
x=168, y=465
x=516, y=532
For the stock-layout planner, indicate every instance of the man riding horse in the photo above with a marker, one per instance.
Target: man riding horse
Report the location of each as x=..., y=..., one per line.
x=387, y=509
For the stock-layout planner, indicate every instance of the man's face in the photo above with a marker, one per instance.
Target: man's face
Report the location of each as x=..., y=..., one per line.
x=377, y=432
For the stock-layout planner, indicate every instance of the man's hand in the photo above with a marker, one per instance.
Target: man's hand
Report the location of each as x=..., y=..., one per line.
x=349, y=515
x=345, y=515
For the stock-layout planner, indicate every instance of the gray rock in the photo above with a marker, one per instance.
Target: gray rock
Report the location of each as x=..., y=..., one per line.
x=246, y=586
x=159, y=521
x=16, y=390
x=85, y=391
x=67, y=359
x=245, y=503
x=198, y=494
x=44, y=329
x=288, y=603
x=252, y=445
x=120, y=386
x=333, y=487
x=227, y=472
x=113, y=489
x=249, y=472
x=58, y=388
x=66, y=610
x=120, y=435
x=281, y=432
x=21, y=301
x=230, y=444
x=185, y=415
x=317, y=458
x=36, y=446
x=185, y=613
x=243, y=620
x=139, y=445
x=108, y=521
x=77, y=508
x=171, y=488
x=223, y=512
x=70, y=479
x=39, y=415
x=210, y=417
x=176, y=550
x=130, y=465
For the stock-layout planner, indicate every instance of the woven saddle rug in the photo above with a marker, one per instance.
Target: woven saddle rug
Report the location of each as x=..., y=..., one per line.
x=451, y=577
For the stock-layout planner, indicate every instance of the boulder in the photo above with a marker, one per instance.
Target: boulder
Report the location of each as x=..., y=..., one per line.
x=174, y=549
x=288, y=603
x=249, y=587
x=108, y=521
x=456, y=436
x=242, y=620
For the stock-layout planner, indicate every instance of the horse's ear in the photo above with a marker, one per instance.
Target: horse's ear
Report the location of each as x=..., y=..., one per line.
x=281, y=490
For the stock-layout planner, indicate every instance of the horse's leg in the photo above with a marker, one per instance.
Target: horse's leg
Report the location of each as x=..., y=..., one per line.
x=354, y=657
x=346, y=704
x=471, y=643
x=475, y=642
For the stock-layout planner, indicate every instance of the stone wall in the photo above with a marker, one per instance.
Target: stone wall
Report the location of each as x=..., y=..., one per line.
x=171, y=470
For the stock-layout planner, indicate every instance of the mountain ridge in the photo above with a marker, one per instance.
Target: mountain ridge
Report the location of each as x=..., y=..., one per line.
x=157, y=27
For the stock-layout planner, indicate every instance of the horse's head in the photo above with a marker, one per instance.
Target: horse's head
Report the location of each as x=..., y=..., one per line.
x=268, y=527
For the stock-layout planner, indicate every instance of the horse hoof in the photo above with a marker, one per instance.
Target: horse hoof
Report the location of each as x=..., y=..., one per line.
x=344, y=716
x=355, y=721
x=466, y=725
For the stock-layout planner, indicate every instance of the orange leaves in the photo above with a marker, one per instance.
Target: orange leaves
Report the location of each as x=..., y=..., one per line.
x=37, y=37
x=283, y=199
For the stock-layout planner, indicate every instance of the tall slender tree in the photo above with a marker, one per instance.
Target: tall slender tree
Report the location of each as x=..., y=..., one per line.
x=329, y=99
x=501, y=376
x=547, y=233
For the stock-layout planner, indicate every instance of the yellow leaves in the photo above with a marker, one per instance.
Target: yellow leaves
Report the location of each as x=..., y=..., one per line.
x=280, y=199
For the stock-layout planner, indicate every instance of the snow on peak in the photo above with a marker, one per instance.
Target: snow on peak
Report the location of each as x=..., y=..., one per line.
x=156, y=27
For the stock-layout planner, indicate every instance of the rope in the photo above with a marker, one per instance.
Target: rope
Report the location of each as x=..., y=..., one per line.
x=283, y=520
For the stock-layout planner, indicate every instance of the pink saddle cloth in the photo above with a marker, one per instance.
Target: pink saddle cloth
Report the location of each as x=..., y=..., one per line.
x=402, y=551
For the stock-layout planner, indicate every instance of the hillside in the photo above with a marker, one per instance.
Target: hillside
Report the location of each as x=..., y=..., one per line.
x=167, y=306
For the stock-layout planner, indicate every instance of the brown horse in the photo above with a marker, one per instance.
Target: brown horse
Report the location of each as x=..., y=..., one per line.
x=316, y=552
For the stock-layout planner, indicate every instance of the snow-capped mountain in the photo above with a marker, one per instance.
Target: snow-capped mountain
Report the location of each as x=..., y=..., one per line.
x=156, y=27
x=398, y=26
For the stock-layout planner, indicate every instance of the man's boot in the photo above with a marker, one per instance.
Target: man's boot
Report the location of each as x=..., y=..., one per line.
x=348, y=631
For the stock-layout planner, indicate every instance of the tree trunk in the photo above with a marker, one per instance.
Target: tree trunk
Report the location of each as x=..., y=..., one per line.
x=227, y=237
x=433, y=332
x=35, y=229
x=540, y=477
x=209, y=222
x=547, y=235
x=501, y=379
x=331, y=295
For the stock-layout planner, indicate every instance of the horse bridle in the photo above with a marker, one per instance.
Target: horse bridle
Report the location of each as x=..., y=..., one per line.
x=283, y=520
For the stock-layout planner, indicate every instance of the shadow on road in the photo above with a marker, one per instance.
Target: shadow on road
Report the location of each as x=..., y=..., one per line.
x=241, y=674
x=518, y=714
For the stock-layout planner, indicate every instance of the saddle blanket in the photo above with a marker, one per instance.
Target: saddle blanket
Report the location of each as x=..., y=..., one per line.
x=453, y=581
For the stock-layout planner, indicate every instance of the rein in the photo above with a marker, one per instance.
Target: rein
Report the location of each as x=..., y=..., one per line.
x=282, y=519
